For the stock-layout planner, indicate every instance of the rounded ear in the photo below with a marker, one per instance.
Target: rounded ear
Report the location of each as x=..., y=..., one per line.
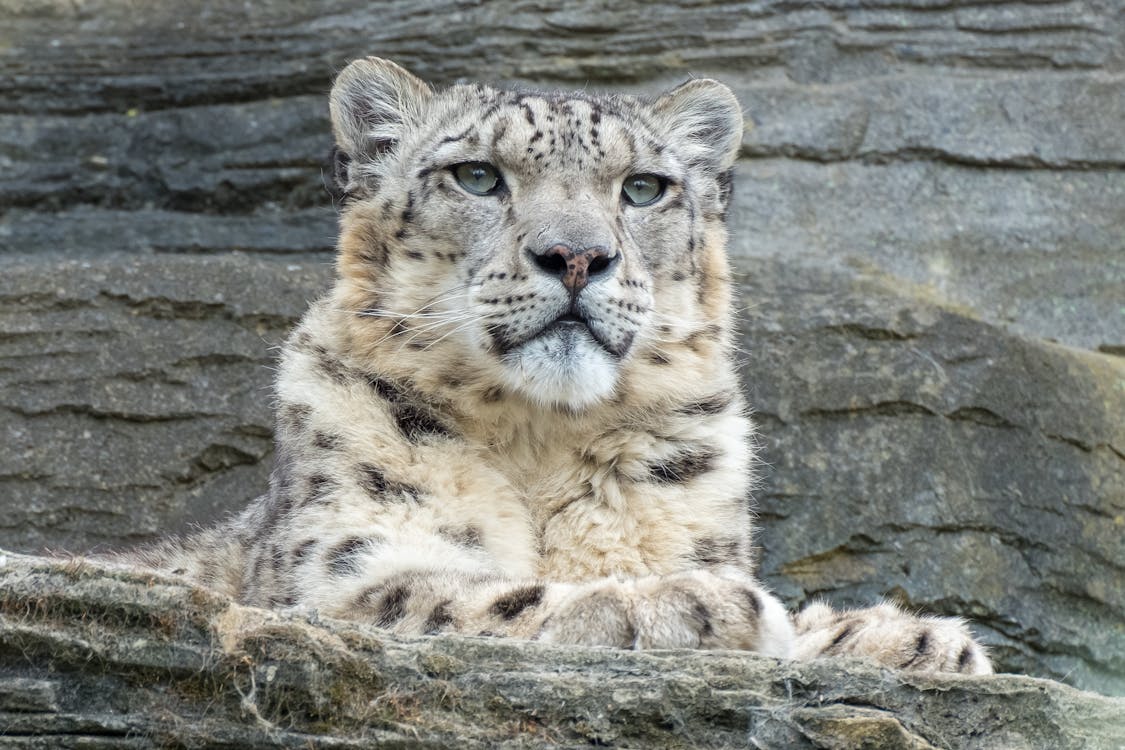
x=372, y=101
x=704, y=120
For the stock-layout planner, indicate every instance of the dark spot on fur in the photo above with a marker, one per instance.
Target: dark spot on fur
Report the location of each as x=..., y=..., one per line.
x=837, y=643
x=319, y=488
x=964, y=659
x=725, y=180
x=459, y=137
x=464, y=536
x=375, y=483
x=337, y=181
x=715, y=404
x=921, y=649
x=498, y=134
x=416, y=423
x=326, y=441
x=331, y=366
x=277, y=559
x=414, y=419
x=301, y=551
x=684, y=466
x=710, y=551
x=702, y=617
x=754, y=601
x=392, y=606
x=512, y=604
x=341, y=559
x=657, y=358
x=438, y=618
x=452, y=380
x=696, y=340
x=294, y=417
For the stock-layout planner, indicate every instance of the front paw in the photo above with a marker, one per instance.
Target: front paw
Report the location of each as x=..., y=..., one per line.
x=892, y=637
x=696, y=609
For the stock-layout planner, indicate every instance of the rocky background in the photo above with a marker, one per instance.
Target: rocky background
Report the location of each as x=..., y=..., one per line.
x=929, y=234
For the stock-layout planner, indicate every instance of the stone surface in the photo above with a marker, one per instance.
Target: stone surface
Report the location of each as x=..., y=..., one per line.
x=91, y=657
x=929, y=233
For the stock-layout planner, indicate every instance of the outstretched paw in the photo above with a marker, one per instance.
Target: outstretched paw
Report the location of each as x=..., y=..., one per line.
x=892, y=637
x=696, y=609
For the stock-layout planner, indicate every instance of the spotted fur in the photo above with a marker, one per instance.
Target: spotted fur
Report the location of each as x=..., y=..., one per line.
x=517, y=412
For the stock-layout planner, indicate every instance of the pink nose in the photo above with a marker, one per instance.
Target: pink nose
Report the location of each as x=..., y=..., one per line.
x=574, y=267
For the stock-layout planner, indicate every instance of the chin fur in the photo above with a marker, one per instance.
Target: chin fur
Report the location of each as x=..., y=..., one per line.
x=563, y=369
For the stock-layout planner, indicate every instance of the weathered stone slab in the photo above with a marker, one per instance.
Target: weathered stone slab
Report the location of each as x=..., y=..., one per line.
x=1059, y=120
x=1039, y=251
x=85, y=232
x=135, y=390
x=916, y=453
x=202, y=52
x=97, y=658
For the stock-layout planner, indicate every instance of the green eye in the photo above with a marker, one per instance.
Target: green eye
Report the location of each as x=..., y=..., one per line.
x=478, y=177
x=642, y=189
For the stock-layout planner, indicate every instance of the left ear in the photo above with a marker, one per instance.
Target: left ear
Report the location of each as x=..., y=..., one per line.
x=704, y=120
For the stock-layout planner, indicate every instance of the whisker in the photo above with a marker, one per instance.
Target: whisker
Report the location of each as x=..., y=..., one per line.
x=450, y=333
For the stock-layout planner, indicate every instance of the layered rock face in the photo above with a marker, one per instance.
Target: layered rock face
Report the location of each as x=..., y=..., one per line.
x=928, y=235
x=112, y=659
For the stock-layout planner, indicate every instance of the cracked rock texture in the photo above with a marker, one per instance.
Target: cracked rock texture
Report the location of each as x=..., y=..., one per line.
x=109, y=659
x=929, y=238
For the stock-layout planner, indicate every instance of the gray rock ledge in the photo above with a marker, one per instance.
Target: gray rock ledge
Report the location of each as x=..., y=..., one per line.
x=97, y=657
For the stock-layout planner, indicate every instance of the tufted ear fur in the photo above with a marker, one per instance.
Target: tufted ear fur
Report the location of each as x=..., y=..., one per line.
x=704, y=120
x=372, y=101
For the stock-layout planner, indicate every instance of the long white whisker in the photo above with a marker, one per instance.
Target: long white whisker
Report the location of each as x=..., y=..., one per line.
x=459, y=328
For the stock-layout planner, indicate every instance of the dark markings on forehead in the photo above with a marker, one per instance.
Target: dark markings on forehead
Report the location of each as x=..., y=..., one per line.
x=498, y=133
x=466, y=134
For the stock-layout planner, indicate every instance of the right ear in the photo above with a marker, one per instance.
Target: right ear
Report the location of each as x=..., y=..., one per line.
x=373, y=101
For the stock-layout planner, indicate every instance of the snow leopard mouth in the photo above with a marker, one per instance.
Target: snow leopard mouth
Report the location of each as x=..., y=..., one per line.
x=569, y=329
x=566, y=320
x=572, y=324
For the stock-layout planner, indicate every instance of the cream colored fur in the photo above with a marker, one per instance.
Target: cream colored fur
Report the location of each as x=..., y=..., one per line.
x=452, y=455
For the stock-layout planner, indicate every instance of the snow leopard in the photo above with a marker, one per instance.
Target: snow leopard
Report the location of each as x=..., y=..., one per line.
x=517, y=412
